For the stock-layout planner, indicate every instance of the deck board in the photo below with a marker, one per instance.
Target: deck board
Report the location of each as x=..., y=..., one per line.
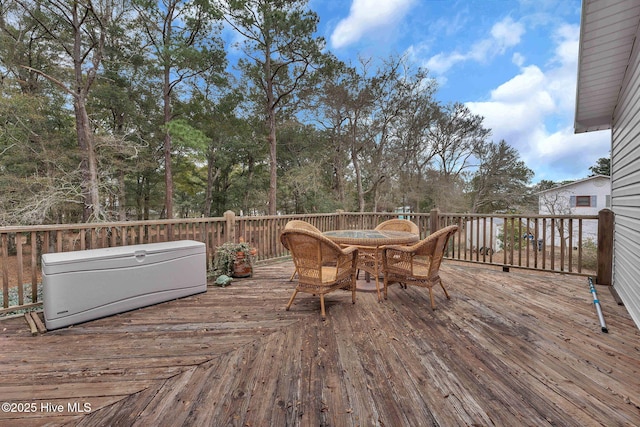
x=518, y=348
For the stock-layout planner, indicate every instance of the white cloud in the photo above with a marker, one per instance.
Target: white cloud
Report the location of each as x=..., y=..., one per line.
x=441, y=62
x=534, y=111
x=507, y=33
x=503, y=35
x=518, y=59
x=530, y=83
x=366, y=16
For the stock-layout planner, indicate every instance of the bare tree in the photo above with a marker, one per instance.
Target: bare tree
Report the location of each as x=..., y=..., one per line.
x=330, y=103
x=556, y=203
x=454, y=137
x=79, y=31
x=400, y=109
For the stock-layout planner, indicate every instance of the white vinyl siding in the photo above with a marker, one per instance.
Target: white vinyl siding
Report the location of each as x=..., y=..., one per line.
x=625, y=189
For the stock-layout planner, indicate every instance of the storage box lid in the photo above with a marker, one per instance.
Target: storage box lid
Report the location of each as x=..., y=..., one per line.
x=118, y=257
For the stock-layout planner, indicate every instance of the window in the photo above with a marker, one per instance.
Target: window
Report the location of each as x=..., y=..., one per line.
x=583, y=201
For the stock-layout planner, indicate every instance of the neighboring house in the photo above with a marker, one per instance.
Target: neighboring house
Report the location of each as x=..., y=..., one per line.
x=402, y=210
x=583, y=197
x=608, y=97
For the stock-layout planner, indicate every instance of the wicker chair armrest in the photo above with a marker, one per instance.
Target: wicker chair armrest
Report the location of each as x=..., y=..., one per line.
x=346, y=261
x=400, y=248
x=349, y=249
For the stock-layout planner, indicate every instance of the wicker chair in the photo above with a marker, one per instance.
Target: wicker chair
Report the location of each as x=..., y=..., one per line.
x=368, y=257
x=322, y=265
x=303, y=225
x=399, y=225
x=418, y=264
x=296, y=223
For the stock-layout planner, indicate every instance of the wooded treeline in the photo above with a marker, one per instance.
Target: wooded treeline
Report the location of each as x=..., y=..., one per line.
x=137, y=109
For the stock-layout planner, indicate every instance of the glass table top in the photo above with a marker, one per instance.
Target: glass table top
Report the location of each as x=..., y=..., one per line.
x=371, y=237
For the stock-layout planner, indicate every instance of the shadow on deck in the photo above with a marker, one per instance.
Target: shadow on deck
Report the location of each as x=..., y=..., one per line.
x=507, y=349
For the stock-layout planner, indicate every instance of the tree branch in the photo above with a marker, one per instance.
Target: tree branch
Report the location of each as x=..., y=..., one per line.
x=51, y=79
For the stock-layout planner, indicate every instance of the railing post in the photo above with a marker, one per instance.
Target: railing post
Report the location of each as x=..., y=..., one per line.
x=605, y=247
x=339, y=219
x=230, y=227
x=434, y=220
x=4, y=254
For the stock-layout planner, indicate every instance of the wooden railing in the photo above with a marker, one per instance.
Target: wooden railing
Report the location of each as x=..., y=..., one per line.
x=567, y=244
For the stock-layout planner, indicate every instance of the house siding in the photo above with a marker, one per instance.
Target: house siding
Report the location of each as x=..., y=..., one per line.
x=625, y=189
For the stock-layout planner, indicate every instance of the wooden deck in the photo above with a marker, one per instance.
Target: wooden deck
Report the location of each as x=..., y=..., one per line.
x=507, y=349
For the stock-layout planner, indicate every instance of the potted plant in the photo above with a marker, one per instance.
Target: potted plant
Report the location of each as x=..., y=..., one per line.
x=234, y=260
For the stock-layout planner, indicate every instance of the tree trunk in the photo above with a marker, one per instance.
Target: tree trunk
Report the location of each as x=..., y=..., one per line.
x=89, y=164
x=122, y=196
x=168, y=177
x=206, y=211
x=339, y=170
x=168, y=174
x=338, y=187
x=273, y=163
x=250, y=172
x=356, y=168
x=271, y=138
x=146, y=199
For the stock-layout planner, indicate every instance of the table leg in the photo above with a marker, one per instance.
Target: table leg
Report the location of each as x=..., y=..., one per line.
x=377, y=277
x=369, y=260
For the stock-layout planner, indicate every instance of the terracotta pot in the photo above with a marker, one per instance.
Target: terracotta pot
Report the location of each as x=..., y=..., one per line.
x=241, y=268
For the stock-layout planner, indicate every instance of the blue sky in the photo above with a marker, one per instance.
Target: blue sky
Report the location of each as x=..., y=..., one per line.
x=512, y=62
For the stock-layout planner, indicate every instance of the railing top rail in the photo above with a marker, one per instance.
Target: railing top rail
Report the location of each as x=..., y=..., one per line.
x=516, y=216
x=289, y=216
x=384, y=213
x=90, y=225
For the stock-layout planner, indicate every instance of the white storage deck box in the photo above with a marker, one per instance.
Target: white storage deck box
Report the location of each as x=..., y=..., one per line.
x=85, y=285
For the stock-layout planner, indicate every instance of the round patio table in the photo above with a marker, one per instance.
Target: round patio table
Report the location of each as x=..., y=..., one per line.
x=368, y=243
x=371, y=237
